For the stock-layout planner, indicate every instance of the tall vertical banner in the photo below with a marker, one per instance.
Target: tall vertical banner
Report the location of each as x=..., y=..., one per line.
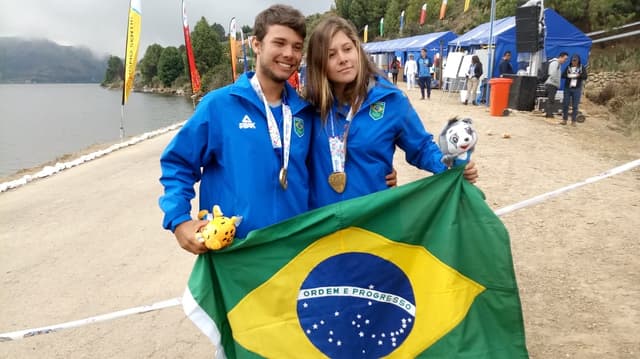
x=232, y=43
x=443, y=9
x=131, y=52
x=467, y=3
x=381, y=26
x=423, y=14
x=421, y=270
x=365, y=38
x=193, y=70
x=401, y=21
x=131, y=55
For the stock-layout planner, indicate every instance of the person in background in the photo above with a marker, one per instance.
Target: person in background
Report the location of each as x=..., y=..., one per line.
x=361, y=119
x=424, y=73
x=394, y=68
x=246, y=143
x=505, y=68
x=410, y=71
x=574, y=76
x=552, y=83
x=473, y=76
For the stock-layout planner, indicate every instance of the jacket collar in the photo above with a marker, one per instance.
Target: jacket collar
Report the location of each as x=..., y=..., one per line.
x=242, y=88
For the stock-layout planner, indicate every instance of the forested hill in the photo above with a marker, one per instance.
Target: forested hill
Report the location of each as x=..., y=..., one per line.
x=43, y=61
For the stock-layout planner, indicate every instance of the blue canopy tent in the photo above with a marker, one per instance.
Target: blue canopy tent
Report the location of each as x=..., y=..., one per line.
x=412, y=45
x=561, y=36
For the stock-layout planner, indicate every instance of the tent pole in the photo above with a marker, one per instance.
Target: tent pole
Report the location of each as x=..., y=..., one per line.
x=490, y=52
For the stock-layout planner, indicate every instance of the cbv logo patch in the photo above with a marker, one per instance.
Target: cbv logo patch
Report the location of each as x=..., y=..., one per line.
x=376, y=111
x=298, y=126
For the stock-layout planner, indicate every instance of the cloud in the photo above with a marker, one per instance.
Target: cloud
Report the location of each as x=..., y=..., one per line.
x=101, y=25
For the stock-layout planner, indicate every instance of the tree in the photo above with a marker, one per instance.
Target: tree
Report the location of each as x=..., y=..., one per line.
x=392, y=18
x=358, y=15
x=219, y=29
x=170, y=65
x=149, y=63
x=206, y=46
x=343, y=8
x=115, y=70
x=246, y=29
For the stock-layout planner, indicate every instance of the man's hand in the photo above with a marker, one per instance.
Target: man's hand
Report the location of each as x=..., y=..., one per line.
x=186, y=235
x=392, y=178
x=470, y=172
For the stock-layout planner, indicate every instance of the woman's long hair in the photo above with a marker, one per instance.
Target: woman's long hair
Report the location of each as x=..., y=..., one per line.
x=319, y=89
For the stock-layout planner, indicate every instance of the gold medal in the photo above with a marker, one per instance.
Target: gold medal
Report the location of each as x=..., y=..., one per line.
x=337, y=181
x=283, y=178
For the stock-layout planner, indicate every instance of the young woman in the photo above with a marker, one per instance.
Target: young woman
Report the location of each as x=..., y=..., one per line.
x=394, y=69
x=361, y=118
x=474, y=74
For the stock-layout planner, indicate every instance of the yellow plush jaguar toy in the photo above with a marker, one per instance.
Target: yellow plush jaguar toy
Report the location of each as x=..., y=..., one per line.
x=220, y=230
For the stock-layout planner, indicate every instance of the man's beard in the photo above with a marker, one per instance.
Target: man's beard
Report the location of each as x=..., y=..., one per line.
x=266, y=70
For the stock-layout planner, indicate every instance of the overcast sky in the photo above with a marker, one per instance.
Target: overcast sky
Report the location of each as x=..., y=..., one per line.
x=101, y=24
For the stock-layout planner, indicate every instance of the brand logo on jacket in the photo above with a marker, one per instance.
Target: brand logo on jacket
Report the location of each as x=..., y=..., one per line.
x=246, y=123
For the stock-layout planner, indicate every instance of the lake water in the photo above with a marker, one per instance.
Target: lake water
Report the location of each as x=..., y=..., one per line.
x=39, y=123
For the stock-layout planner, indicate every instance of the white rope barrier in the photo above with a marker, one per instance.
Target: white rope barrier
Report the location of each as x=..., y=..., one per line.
x=548, y=195
x=177, y=301
x=100, y=318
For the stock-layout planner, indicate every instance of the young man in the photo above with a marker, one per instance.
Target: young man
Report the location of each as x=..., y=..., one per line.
x=553, y=82
x=505, y=67
x=424, y=73
x=246, y=143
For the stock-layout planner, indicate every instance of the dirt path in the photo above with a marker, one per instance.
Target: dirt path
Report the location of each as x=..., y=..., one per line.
x=88, y=241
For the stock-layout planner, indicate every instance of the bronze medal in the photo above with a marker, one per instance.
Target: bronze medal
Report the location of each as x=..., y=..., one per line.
x=283, y=178
x=337, y=181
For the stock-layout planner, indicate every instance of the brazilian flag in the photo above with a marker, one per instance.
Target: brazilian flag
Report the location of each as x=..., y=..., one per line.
x=418, y=271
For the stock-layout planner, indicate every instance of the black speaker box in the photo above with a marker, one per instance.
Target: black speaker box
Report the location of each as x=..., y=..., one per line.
x=527, y=39
x=522, y=93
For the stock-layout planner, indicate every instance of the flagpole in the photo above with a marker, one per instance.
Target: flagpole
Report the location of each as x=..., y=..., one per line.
x=490, y=52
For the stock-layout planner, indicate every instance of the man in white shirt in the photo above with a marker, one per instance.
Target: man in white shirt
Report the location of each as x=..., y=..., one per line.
x=410, y=71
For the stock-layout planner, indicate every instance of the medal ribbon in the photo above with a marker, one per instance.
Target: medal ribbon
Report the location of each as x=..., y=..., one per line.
x=274, y=132
x=338, y=147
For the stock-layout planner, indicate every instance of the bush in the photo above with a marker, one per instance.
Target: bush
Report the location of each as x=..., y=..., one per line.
x=603, y=96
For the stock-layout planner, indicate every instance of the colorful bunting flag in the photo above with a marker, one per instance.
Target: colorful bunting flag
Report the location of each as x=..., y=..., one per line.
x=443, y=9
x=366, y=33
x=466, y=5
x=401, y=21
x=423, y=14
x=193, y=70
x=131, y=51
x=232, y=43
x=381, y=26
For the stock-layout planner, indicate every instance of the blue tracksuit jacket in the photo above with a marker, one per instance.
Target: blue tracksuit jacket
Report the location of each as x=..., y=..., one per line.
x=226, y=146
x=385, y=120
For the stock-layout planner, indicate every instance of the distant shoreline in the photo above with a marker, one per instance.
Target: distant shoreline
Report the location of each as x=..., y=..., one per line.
x=67, y=161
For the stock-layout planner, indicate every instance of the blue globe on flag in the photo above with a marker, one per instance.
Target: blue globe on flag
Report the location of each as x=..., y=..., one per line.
x=356, y=305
